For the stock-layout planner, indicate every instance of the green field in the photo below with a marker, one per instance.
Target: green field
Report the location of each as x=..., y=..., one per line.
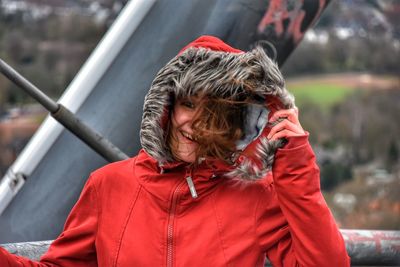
x=324, y=94
x=327, y=90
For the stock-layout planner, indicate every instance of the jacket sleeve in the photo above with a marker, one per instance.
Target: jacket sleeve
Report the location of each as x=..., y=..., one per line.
x=294, y=223
x=75, y=247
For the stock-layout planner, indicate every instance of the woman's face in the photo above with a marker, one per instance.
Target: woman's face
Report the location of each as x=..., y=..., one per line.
x=182, y=144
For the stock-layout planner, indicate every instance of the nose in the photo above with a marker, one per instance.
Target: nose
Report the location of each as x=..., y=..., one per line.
x=187, y=117
x=188, y=120
x=184, y=119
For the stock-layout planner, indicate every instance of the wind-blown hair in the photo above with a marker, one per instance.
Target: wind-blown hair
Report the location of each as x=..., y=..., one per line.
x=217, y=126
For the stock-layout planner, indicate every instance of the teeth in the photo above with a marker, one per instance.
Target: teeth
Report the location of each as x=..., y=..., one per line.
x=187, y=135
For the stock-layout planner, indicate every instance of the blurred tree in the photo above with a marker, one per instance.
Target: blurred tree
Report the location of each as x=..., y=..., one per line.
x=14, y=46
x=393, y=154
x=332, y=174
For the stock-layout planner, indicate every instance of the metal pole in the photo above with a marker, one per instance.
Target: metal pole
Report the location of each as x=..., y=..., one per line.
x=373, y=247
x=25, y=85
x=93, y=139
x=365, y=247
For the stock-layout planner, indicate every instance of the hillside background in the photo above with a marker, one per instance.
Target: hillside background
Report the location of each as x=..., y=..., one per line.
x=344, y=74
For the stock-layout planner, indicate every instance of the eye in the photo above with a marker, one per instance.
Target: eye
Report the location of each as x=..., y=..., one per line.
x=188, y=104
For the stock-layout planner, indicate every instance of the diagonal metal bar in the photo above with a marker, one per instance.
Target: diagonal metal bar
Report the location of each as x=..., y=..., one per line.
x=28, y=87
x=92, y=138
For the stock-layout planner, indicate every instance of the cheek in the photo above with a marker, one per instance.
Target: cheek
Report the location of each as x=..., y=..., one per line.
x=172, y=134
x=175, y=117
x=182, y=115
x=175, y=120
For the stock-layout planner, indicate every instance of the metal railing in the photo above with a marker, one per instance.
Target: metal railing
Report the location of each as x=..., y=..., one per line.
x=365, y=247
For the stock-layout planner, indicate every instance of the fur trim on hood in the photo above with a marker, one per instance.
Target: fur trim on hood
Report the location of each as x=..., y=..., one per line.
x=210, y=66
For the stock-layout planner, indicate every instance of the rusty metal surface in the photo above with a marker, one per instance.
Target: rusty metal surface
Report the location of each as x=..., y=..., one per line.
x=31, y=250
x=365, y=247
x=372, y=247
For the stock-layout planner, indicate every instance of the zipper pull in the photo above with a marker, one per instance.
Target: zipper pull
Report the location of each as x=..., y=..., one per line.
x=191, y=186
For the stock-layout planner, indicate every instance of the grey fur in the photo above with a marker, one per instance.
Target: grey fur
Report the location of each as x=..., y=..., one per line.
x=220, y=74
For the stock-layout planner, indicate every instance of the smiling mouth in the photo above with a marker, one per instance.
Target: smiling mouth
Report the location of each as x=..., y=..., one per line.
x=188, y=136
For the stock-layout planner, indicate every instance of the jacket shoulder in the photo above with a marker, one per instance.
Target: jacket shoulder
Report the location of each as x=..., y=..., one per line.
x=261, y=185
x=115, y=175
x=250, y=192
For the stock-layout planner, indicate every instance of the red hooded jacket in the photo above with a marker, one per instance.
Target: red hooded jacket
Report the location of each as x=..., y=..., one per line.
x=139, y=212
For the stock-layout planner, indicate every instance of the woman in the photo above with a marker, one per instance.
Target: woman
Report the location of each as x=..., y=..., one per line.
x=226, y=177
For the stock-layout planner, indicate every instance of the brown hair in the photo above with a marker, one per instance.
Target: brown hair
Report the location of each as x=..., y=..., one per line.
x=217, y=126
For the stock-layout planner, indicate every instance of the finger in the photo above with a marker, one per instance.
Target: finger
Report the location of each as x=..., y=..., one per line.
x=289, y=114
x=285, y=124
x=284, y=134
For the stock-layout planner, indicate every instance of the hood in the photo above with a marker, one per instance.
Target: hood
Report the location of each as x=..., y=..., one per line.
x=208, y=65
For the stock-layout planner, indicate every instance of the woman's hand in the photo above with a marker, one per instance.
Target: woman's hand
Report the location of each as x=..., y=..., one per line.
x=289, y=126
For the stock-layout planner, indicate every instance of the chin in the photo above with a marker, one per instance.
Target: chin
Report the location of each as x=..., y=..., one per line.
x=187, y=154
x=186, y=157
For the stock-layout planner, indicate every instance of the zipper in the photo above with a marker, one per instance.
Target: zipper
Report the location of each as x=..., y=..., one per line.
x=190, y=183
x=170, y=227
x=191, y=186
x=172, y=213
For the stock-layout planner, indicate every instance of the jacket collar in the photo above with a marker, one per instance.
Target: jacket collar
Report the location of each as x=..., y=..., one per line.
x=161, y=182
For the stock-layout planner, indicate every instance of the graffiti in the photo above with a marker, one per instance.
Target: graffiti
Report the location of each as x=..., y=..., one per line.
x=279, y=15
